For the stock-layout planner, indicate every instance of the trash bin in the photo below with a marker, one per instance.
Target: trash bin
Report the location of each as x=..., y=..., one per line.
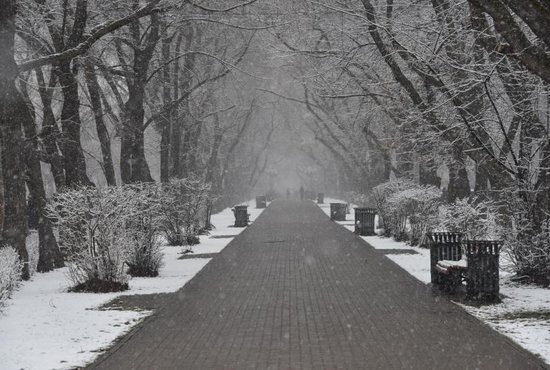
x=261, y=201
x=338, y=211
x=241, y=216
x=364, y=221
x=320, y=198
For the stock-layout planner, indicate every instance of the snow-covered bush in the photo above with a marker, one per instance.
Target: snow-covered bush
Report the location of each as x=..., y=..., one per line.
x=395, y=216
x=143, y=250
x=527, y=240
x=529, y=251
x=10, y=272
x=143, y=244
x=413, y=212
x=183, y=210
x=475, y=218
x=92, y=232
x=380, y=195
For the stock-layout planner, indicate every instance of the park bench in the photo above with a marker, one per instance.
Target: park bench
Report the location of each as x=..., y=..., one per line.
x=476, y=262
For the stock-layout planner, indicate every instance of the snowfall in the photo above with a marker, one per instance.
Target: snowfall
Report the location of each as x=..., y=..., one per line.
x=523, y=315
x=44, y=327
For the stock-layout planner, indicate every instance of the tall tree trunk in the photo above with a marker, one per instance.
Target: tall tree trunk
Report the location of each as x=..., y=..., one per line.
x=183, y=169
x=133, y=165
x=165, y=152
x=50, y=132
x=71, y=147
x=103, y=134
x=49, y=256
x=13, y=110
x=459, y=186
x=182, y=78
x=166, y=121
x=211, y=166
x=428, y=173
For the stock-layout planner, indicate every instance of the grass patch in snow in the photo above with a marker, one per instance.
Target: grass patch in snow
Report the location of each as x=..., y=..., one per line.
x=543, y=315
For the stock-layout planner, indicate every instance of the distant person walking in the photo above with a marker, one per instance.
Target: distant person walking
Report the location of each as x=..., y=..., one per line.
x=301, y=193
x=287, y=193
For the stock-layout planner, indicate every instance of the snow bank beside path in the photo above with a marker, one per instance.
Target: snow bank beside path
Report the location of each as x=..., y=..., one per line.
x=45, y=327
x=417, y=264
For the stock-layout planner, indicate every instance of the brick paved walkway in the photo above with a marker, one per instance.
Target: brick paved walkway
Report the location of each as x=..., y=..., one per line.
x=296, y=291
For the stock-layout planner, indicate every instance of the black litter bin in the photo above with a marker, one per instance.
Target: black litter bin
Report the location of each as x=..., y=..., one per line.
x=338, y=211
x=320, y=198
x=364, y=221
x=241, y=216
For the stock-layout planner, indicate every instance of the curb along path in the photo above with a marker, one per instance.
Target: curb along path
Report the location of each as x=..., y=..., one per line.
x=296, y=291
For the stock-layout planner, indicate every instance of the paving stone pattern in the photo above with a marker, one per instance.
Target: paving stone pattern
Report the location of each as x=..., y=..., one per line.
x=297, y=291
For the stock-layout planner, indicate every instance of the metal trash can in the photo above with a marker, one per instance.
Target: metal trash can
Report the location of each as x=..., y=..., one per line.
x=241, y=216
x=338, y=211
x=364, y=221
x=261, y=201
x=320, y=198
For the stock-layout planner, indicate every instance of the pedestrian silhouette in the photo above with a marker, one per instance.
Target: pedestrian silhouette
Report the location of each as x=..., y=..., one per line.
x=301, y=193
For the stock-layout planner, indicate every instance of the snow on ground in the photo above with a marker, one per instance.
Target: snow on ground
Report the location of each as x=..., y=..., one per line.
x=223, y=231
x=523, y=315
x=45, y=327
x=418, y=264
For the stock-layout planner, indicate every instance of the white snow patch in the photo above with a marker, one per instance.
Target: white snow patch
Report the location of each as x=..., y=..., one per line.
x=418, y=265
x=45, y=327
x=523, y=315
x=462, y=263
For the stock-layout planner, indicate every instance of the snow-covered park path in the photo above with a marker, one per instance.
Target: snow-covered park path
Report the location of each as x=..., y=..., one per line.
x=295, y=290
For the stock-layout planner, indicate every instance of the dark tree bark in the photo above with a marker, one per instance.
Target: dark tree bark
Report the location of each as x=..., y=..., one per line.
x=428, y=173
x=537, y=16
x=165, y=122
x=459, y=185
x=183, y=169
x=50, y=132
x=49, y=256
x=103, y=134
x=183, y=79
x=133, y=165
x=71, y=147
x=211, y=166
x=97, y=33
x=13, y=110
x=66, y=38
